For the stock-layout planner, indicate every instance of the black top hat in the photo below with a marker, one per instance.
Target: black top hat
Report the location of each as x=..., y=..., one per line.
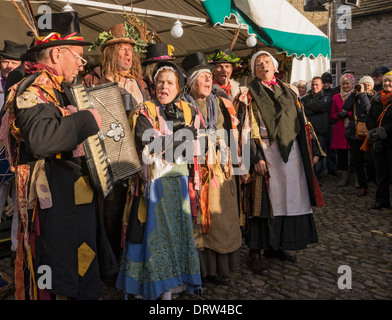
x=158, y=52
x=13, y=50
x=180, y=72
x=195, y=61
x=64, y=30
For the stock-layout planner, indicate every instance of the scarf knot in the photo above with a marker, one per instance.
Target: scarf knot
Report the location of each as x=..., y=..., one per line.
x=270, y=84
x=226, y=88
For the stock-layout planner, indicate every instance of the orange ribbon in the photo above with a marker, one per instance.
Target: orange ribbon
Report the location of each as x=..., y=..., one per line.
x=54, y=36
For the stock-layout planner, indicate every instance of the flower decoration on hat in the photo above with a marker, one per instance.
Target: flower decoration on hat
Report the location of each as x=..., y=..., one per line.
x=224, y=56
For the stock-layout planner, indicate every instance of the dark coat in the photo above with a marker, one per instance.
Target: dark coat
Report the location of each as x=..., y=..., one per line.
x=256, y=150
x=65, y=226
x=376, y=108
x=317, y=108
x=362, y=105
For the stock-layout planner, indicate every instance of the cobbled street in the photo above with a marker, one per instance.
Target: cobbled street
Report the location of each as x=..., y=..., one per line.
x=350, y=234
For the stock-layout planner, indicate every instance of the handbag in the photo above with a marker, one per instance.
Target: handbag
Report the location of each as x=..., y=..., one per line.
x=360, y=127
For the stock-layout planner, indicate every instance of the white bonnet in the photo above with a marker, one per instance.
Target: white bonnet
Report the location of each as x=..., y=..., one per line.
x=252, y=61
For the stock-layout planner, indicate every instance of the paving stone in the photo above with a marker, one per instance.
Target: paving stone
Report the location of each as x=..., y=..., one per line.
x=349, y=234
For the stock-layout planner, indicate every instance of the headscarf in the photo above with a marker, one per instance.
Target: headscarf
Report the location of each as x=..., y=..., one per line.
x=252, y=61
x=191, y=79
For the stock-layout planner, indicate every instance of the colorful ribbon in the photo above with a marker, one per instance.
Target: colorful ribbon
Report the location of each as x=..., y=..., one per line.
x=55, y=36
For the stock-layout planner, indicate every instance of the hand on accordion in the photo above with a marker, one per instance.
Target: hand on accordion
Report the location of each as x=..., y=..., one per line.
x=97, y=117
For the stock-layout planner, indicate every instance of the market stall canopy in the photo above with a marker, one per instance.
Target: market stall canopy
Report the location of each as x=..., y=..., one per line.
x=199, y=34
x=275, y=22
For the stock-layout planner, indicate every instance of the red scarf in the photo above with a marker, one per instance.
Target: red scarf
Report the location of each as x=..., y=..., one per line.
x=226, y=88
x=270, y=84
x=386, y=97
x=33, y=67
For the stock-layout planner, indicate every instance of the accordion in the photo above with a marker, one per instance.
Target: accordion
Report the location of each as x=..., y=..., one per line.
x=111, y=154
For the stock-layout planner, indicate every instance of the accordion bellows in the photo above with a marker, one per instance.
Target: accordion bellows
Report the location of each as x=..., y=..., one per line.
x=111, y=154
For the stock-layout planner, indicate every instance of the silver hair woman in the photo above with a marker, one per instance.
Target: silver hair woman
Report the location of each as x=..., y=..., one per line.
x=220, y=232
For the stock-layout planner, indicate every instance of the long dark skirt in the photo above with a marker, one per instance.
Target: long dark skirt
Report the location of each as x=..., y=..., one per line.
x=285, y=232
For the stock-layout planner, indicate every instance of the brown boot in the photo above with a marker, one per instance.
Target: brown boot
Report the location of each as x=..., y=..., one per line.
x=256, y=264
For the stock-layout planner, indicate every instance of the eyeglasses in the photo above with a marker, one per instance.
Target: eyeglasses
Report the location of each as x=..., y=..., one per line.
x=84, y=61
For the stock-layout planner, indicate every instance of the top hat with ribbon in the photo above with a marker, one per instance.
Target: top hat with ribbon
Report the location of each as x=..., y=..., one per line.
x=61, y=29
x=158, y=52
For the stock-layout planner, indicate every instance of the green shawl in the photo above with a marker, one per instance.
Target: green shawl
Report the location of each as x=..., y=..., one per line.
x=279, y=113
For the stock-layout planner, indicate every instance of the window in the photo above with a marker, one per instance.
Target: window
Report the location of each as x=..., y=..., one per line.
x=338, y=66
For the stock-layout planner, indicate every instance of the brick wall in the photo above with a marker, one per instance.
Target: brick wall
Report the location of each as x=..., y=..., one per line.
x=368, y=44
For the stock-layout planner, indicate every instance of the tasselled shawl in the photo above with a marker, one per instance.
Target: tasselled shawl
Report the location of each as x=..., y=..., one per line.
x=279, y=113
x=212, y=110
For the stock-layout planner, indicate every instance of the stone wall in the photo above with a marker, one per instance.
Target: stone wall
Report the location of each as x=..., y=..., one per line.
x=319, y=18
x=368, y=44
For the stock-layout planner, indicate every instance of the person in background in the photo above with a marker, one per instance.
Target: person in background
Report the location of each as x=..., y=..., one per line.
x=10, y=59
x=358, y=103
x=280, y=184
x=317, y=107
x=331, y=159
x=224, y=62
x=341, y=118
x=377, y=76
x=379, y=124
x=302, y=87
x=120, y=63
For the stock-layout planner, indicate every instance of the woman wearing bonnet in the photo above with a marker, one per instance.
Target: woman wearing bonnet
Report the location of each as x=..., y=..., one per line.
x=281, y=186
x=160, y=256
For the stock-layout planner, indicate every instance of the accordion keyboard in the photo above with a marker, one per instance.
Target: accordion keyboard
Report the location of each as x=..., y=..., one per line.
x=96, y=157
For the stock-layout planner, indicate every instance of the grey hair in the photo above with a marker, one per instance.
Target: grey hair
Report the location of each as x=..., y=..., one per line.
x=42, y=55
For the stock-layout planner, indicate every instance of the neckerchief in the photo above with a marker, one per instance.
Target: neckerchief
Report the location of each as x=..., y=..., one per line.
x=386, y=97
x=270, y=84
x=226, y=88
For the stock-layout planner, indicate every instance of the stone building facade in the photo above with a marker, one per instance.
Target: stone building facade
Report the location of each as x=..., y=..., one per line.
x=369, y=41
x=365, y=44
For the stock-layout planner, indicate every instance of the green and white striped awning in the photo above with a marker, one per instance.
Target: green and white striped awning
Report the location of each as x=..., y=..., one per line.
x=275, y=22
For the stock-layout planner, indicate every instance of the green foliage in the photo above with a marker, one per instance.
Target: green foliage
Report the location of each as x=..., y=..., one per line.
x=130, y=32
x=223, y=56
